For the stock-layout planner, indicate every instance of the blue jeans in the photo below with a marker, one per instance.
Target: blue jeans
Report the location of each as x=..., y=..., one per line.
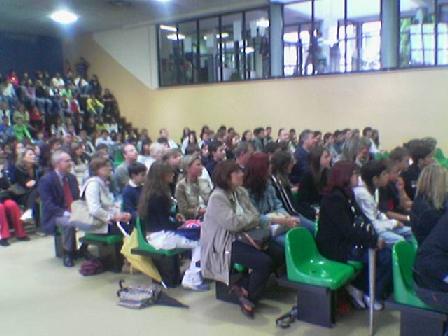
x=396, y=235
x=304, y=222
x=383, y=278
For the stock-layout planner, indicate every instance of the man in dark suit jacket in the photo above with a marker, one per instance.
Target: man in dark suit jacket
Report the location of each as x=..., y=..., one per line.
x=58, y=189
x=302, y=156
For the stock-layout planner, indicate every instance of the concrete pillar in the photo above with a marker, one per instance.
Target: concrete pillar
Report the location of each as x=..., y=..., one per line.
x=276, y=30
x=390, y=33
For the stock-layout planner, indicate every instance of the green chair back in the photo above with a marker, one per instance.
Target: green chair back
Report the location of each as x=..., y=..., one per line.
x=403, y=258
x=118, y=157
x=439, y=155
x=144, y=245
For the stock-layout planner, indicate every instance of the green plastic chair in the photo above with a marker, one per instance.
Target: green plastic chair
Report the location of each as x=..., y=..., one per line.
x=305, y=265
x=107, y=239
x=143, y=244
x=118, y=158
x=439, y=155
x=403, y=258
x=381, y=155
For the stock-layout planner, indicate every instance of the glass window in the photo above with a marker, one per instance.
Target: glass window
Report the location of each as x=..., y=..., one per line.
x=417, y=33
x=257, y=44
x=363, y=35
x=327, y=45
x=232, y=47
x=442, y=33
x=208, y=50
x=296, y=38
x=168, y=54
x=188, y=61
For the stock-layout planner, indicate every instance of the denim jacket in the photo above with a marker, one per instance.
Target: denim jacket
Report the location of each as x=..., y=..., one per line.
x=267, y=203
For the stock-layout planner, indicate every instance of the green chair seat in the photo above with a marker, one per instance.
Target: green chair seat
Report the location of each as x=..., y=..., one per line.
x=305, y=264
x=143, y=244
x=105, y=239
x=239, y=268
x=403, y=258
x=357, y=265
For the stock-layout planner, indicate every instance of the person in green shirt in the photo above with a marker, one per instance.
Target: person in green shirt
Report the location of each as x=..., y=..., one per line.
x=21, y=130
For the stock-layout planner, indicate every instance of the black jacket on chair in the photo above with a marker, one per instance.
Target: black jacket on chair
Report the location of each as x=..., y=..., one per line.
x=431, y=263
x=424, y=218
x=338, y=233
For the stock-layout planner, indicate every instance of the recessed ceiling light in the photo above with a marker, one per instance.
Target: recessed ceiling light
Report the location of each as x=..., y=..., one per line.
x=168, y=28
x=64, y=17
x=175, y=37
x=263, y=23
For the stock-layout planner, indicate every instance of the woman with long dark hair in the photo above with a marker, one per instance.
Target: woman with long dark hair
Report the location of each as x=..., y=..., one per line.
x=263, y=196
x=157, y=210
x=230, y=213
x=313, y=182
x=80, y=161
x=345, y=234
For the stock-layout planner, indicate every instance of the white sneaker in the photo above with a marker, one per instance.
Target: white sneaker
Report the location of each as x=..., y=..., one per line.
x=193, y=280
x=27, y=215
x=357, y=297
x=377, y=306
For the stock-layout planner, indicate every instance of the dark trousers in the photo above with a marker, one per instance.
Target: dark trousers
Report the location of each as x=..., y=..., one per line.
x=435, y=299
x=383, y=279
x=259, y=262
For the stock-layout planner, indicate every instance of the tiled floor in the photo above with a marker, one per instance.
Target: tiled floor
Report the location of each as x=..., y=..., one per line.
x=39, y=297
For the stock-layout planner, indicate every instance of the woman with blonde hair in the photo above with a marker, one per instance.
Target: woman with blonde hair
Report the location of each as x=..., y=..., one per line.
x=429, y=203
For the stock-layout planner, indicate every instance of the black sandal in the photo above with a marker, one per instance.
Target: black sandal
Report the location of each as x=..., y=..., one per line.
x=244, y=304
x=243, y=301
x=285, y=320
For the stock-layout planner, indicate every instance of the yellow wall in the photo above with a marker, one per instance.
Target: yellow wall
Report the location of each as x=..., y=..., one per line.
x=401, y=104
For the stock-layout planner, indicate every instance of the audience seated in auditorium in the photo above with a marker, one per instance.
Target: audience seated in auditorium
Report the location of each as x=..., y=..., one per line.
x=99, y=198
x=131, y=193
x=163, y=133
x=58, y=189
x=375, y=175
x=431, y=267
x=430, y=201
x=302, y=156
x=121, y=175
x=421, y=153
x=394, y=201
x=313, y=182
x=157, y=209
x=230, y=212
x=155, y=154
x=242, y=153
x=263, y=196
x=9, y=214
x=25, y=181
x=192, y=191
x=216, y=154
x=345, y=234
x=259, y=140
x=80, y=166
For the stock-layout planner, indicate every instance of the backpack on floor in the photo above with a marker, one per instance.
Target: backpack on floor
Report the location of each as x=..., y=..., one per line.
x=138, y=297
x=91, y=267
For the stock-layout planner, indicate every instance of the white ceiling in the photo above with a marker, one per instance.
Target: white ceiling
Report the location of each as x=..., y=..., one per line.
x=32, y=16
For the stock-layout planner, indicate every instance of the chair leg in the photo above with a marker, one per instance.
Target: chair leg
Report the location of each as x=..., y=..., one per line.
x=315, y=305
x=117, y=259
x=417, y=324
